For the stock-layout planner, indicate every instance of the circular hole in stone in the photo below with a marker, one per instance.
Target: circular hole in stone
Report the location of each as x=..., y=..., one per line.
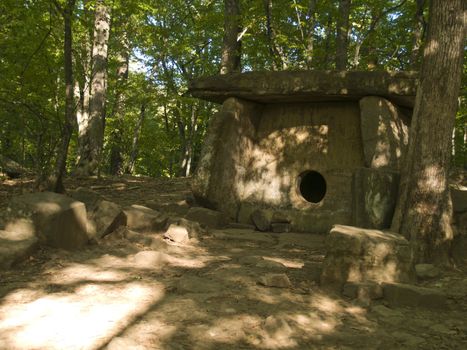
x=312, y=186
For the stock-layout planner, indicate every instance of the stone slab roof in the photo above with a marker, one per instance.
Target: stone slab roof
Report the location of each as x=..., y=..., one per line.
x=307, y=86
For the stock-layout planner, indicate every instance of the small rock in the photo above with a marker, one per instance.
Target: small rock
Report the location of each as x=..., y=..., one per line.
x=108, y=216
x=262, y=219
x=177, y=234
x=206, y=217
x=280, y=227
x=278, y=280
x=278, y=327
x=149, y=259
x=269, y=264
x=399, y=294
x=427, y=271
x=140, y=218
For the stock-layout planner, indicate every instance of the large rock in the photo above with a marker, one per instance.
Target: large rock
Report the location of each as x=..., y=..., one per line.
x=107, y=216
x=177, y=234
x=374, y=197
x=89, y=197
x=359, y=255
x=262, y=219
x=307, y=86
x=385, y=135
x=140, y=218
x=11, y=168
x=15, y=247
x=55, y=219
x=207, y=217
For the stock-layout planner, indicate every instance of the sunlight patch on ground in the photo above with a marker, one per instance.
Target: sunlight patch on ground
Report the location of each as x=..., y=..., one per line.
x=86, y=319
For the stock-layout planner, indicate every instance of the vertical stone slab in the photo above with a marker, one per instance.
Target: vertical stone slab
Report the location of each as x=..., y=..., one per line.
x=225, y=156
x=374, y=197
x=385, y=134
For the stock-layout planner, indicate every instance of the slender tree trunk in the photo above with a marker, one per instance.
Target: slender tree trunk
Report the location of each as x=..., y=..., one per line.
x=231, y=48
x=342, y=34
x=423, y=212
x=277, y=55
x=135, y=144
x=93, y=135
x=67, y=131
x=418, y=31
x=116, y=158
x=311, y=30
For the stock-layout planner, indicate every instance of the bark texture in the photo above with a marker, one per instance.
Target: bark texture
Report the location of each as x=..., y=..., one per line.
x=67, y=130
x=342, y=42
x=423, y=212
x=231, y=48
x=92, y=136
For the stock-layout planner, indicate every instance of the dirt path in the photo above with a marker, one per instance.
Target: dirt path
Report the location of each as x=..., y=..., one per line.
x=204, y=295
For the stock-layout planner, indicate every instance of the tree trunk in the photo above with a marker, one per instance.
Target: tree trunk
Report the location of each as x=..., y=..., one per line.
x=418, y=31
x=116, y=158
x=93, y=135
x=311, y=30
x=342, y=34
x=231, y=48
x=423, y=212
x=135, y=144
x=277, y=55
x=60, y=168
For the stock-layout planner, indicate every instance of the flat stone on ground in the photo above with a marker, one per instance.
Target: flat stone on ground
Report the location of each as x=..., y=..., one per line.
x=278, y=280
x=400, y=295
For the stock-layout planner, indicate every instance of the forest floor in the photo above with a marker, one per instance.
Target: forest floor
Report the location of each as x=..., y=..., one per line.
x=204, y=294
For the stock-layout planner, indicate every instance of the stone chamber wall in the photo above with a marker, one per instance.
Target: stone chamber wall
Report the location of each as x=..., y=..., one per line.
x=319, y=163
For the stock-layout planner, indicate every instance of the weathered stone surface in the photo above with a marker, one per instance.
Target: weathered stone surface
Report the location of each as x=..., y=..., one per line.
x=177, y=234
x=237, y=225
x=280, y=227
x=207, y=217
x=307, y=86
x=11, y=168
x=459, y=199
x=384, y=132
x=194, y=228
x=108, y=216
x=262, y=219
x=400, y=295
x=374, y=197
x=140, y=218
x=363, y=291
x=15, y=247
x=150, y=259
x=427, y=271
x=269, y=264
x=278, y=280
x=89, y=197
x=55, y=219
x=119, y=343
x=360, y=255
x=459, y=249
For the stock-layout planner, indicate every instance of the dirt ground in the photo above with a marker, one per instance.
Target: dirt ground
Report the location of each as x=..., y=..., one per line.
x=204, y=294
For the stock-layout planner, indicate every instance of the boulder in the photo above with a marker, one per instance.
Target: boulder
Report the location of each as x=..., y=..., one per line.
x=140, y=218
x=177, y=234
x=363, y=291
x=374, y=197
x=15, y=247
x=427, y=271
x=193, y=228
x=385, y=135
x=89, y=197
x=262, y=219
x=359, y=255
x=55, y=219
x=11, y=168
x=206, y=217
x=108, y=216
x=278, y=280
x=401, y=295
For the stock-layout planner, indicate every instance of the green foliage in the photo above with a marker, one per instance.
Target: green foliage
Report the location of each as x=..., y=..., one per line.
x=170, y=43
